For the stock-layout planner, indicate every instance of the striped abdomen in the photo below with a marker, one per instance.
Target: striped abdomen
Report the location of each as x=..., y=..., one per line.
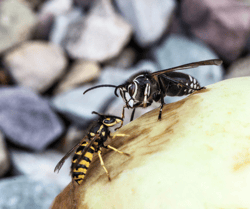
x=187, y=80
x=79, y=170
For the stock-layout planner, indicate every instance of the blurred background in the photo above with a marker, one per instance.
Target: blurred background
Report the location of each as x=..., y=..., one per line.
x=52, y=51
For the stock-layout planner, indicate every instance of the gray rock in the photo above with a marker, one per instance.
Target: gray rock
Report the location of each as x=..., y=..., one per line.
x=78, y=107
x=24, y=193
x=26, y=119
x=4, y=159
x=62, y=23
x=56, y=7
x=36, y=64
x=32, y=3
x=99, y=37
x=224, y=25
x=16, y=23
x=51, y=19
x=248, y=44
x=239, y=68
x=124, y=60
x=149, y=18
x=41, y=166
x=178, y=50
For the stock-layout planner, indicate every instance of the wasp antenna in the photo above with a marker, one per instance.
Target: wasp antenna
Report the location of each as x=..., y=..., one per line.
x=218, y=62
x=116, y=91
x=94, y=112
x=95, y=87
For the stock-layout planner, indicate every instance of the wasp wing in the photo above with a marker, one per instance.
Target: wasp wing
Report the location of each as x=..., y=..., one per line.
x=188, y=66
x=61, y=162
x=90, y=143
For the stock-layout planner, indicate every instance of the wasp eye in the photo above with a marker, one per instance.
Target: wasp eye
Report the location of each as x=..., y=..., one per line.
x=109, y=120
x=131, y=89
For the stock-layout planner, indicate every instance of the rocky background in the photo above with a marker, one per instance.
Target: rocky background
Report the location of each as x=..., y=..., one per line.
x=52, y=51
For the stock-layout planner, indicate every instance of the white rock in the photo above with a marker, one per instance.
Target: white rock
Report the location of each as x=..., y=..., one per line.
x=149, y=18
x=61, y=24
x=99, y=37
x=196, y=157
x=56, y=7
x=16, y=23
x=239, y=68
x=41, y=166
x=36, y=64
x=81, y=72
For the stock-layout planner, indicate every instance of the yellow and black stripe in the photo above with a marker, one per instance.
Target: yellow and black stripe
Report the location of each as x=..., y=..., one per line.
x=79, y=169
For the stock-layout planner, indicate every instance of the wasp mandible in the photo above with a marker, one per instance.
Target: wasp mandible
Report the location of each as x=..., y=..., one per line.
x=145, y=87
x=92, y=143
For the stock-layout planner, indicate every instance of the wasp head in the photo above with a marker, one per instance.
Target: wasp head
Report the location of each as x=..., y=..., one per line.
x=108, y=120
x=138, y=90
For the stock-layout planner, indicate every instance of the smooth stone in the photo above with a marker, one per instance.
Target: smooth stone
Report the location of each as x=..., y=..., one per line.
x=248, y=44
x=4, y=158
x=149, y=18
x=85, y=4
x=24, y=193
x=124, y=60
x=36, y=64
x=81, y=71
x=78, y=107
x=177, y=50
x=196, y=157
x=27, y=120
x=239, y=68
x=17, y=22
x=56, y=7
x=226, y=29
x=100, y=36
x=62, y=23
x=34, y=4
x=40, y=166
x=53, y=17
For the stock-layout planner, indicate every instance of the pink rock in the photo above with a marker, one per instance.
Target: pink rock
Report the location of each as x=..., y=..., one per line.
x=224, y=24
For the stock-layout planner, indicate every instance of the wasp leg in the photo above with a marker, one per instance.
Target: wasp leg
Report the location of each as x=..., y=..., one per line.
x=115, y=135
x=162, y=104
x=123, y=110
x=162, y=93
x=201, y=88
x=102, y=164
x=132, y=115
x=123, y=153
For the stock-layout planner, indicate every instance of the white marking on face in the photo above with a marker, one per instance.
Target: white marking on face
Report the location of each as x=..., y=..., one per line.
x=190, y=78
x=192, y=85
x=147, y=90
x=136, y=87
x=127, y=96
x=131, y=103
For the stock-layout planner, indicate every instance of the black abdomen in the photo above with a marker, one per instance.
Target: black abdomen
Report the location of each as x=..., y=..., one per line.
x=187, y=84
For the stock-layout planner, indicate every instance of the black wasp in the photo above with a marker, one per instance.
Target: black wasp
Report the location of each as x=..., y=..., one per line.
x=91, y=143
x=145, y=87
